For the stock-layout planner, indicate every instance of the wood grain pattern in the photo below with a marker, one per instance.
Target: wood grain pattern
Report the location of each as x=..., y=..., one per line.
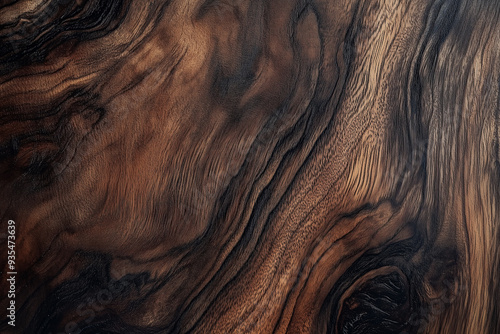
x=218, y=166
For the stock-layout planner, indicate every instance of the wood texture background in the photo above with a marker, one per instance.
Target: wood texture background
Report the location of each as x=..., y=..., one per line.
x=280, y=166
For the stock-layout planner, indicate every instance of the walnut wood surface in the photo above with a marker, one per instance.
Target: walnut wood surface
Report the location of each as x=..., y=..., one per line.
x=280, y=166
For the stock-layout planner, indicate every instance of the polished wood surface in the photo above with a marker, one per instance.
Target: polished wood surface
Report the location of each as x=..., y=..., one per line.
x=284, y=166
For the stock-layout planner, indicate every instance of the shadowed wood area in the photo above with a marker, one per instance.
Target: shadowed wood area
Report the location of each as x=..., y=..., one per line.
x=218, y=166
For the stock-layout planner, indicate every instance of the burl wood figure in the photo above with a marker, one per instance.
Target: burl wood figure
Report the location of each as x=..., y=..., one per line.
x=250, y=166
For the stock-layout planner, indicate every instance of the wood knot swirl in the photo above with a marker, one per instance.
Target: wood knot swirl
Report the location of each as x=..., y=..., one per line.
x=379, y=303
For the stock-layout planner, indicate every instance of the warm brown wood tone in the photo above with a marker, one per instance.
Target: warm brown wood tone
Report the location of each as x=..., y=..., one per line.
x=237, y=166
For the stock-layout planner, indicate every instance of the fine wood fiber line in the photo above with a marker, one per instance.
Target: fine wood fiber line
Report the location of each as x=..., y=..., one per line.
x=237, y=166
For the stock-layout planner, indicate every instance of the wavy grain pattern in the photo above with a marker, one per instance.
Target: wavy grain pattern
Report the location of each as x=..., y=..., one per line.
x=285, y=166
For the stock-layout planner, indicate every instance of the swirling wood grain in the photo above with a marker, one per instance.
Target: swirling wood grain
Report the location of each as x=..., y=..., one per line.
x=285, y=166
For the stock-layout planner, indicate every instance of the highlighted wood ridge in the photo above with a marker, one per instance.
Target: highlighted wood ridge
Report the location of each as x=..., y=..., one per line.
x=253, y=166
